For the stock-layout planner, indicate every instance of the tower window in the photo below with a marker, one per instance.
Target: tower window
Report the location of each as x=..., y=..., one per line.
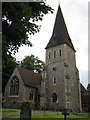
x=54, y=68
x=67, y=76
x=54, y=80
x=49, y=55
x=54, y=54
x=60, y=52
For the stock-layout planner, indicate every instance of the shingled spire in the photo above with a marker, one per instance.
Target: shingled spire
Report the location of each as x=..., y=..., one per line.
x=60, y=34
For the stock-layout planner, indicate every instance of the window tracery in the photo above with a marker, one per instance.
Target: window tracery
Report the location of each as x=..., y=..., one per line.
x=14, y=86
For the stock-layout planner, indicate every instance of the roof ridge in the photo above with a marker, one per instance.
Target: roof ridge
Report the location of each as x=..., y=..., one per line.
x=19, y=67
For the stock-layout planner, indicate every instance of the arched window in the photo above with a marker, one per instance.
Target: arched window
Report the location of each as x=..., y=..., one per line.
x=54, y=97
x=31, y=96
x=49, y=55
x=14, y=86
x=54, y=80
x=60, y=52
x=54, y=54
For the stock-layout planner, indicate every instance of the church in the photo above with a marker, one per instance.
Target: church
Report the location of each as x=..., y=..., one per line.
x=59, y=85
x=23, y=85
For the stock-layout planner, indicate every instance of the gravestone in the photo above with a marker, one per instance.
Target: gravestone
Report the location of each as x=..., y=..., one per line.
x=25, y=112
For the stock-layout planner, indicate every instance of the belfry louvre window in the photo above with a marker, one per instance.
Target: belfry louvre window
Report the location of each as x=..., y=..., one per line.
x=49, y=55
x=54, y=54
x=60, y=52
x=14, y=86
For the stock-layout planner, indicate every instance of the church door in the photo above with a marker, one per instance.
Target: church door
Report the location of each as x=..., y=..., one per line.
x=54, y=97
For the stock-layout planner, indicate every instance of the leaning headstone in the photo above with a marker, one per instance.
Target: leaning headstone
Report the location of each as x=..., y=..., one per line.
x=25, y=112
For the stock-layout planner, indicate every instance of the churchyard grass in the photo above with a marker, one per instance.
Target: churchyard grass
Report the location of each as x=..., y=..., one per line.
x=59, y=115
x=36, y=114
x=9, y=110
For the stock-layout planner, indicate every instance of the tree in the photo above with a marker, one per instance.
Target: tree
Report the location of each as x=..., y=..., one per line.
x=18, y=20
x=32, y=63
x=7, y=68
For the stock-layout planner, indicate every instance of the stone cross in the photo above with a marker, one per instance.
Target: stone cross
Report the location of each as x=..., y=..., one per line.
x=65, y=113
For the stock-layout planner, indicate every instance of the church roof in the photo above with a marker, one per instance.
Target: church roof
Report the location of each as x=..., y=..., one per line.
x=29, y=77
x=60, y=34
x=83, y=90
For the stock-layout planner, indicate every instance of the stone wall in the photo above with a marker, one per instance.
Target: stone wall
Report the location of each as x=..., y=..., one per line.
x=62, y=66
x=14, y=101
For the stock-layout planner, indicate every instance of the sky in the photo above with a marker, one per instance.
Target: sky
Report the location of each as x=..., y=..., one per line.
x=75, y=14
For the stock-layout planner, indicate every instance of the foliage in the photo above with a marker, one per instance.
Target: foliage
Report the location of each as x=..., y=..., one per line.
x=18, y=20
x=32, y=63
x=8, y=65
x=29, y=103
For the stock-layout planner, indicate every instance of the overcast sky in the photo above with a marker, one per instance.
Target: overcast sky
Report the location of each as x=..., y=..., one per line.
x=75, y=13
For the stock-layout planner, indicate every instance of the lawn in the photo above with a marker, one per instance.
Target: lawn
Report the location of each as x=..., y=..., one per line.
x=60, y=116
x=9, y=110
x=40, y=115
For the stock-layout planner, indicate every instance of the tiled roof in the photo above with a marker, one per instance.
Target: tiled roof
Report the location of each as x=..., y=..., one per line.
x=29, y=77
x=60, y=34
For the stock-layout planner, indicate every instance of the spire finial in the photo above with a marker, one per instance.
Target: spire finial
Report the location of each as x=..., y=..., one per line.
x=58, y=2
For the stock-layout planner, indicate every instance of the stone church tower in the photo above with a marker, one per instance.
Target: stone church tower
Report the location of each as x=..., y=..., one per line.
x=60, y=80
